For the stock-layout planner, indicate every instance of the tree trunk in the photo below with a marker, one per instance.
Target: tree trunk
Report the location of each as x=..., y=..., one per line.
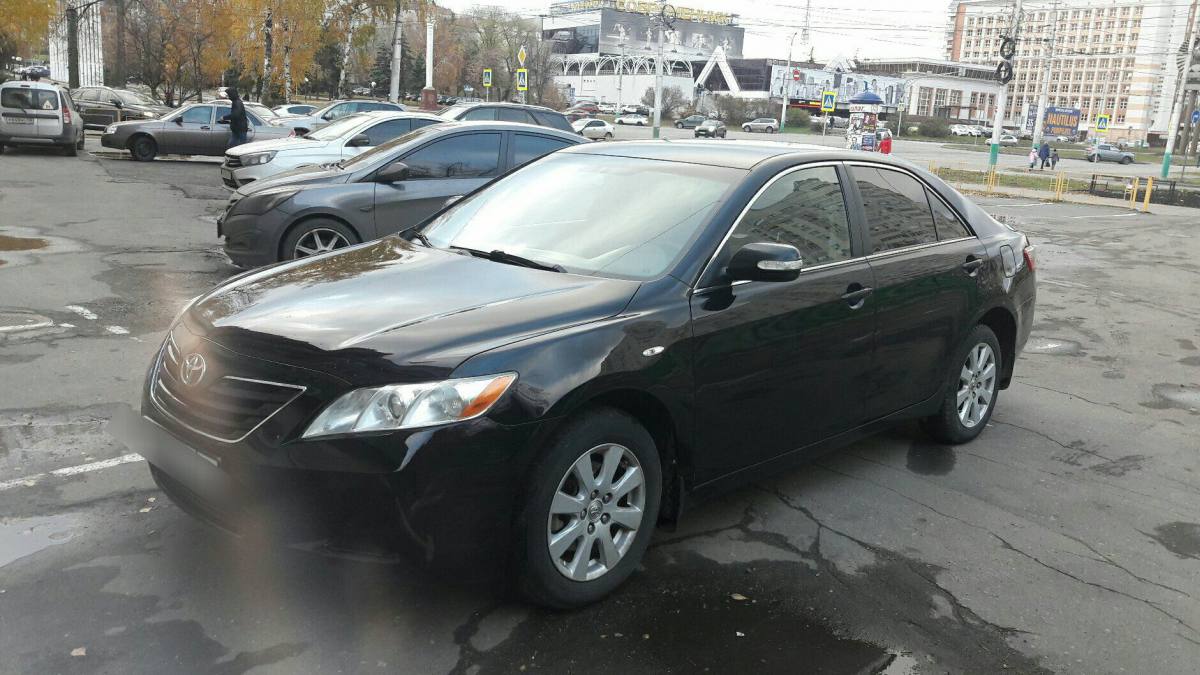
x=264, y=83
x=287, y=63
x=346, y=50
x=119, y=57
x=397, y=54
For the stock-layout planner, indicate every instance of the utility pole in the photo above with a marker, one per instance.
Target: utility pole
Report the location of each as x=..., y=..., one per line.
x=1002, y=99
x=72, y=46
x=1177, y=107
x=787, y=75
x=620, y=77
x=429, y=94
x=658, y=80
x=1044, y=97
x=394, y=84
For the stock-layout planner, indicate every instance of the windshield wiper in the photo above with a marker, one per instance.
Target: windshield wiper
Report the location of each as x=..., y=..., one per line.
x=417, y=234
x=510, y=258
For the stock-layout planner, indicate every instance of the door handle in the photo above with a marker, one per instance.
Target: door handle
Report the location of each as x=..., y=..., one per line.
x=206, y=128
x=366, y=209
x=971, y=267
x=856, y=295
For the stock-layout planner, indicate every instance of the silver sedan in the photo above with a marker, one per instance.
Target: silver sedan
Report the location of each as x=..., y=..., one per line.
x=197, y=129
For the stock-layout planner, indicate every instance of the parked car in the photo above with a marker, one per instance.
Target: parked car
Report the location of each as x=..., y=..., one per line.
x=635, y=109
x=768, y=125
x=101, y=106
x=1064, y=139
x=41, y=114
x=386, y=189
x=508, y=112
x=361, y=91
x=594, y=129
x=1006, y=139
x=607, y=108
x=36, y=71
x=295, y=109
x=710, y=129
x=334, y=142
x=195, y=129
x=690, y=122
x=1106, y=152
x=527, y=382
x=334, y=110
x=635, y=120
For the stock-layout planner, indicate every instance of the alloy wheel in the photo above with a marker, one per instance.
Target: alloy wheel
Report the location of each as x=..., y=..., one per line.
x=976, y=385
x=319, y=240
x=596, y=512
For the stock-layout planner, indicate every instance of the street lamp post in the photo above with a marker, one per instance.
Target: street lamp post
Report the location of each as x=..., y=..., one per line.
x=787, y=73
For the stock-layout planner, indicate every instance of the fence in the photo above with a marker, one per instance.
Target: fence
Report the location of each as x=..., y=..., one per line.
x=1160, y=191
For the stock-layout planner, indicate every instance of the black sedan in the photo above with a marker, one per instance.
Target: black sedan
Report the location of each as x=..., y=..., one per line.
x=388, y=188
x=534, y=378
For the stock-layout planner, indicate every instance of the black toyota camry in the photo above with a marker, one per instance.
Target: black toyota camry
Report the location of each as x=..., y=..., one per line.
x=541, y=373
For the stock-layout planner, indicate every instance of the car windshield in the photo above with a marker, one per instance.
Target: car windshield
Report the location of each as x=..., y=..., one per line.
x=366, y=158
x=560, y=211
x=133, y=98
x=454, y=111
x=336, y=129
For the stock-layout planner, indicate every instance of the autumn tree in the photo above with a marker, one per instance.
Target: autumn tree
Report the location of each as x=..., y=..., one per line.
x=23, y=26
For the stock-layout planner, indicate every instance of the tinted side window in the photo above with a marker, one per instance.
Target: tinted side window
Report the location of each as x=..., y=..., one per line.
x=463, y=156
x=201, y=114
x=386, y=131
x=804, y=208
x=223, y=112
x=417, y=123
x=514, y=115
x=551, y=119
x=527, y=147
x=88, y=95
x=948, y=225
x=479, y=115
x=340, y=110
x=896, y=209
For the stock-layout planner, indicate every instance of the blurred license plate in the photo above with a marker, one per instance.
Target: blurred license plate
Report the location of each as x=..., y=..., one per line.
x=20, y=120
x=226, y=174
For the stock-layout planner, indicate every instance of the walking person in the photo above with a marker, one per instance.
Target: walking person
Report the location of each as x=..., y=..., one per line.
x=1054, y=159
x=1033, y=157
x=238, y=124
x=1044, y=155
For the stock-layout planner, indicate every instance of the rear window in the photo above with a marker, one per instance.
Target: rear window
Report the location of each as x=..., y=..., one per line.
x=29, y=99
x=550, y=119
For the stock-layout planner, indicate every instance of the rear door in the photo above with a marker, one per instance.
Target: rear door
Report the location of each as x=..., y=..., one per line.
x=926, y=284
x=445, y=167
x=49, y=113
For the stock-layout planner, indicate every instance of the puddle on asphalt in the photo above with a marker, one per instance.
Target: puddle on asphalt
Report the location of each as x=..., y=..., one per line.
x=1182, y=539
x=930, y=459
x=1190, y=360
x=8, y=243
x=1186, y=344
x=1055, y=346
x=12, y=321
x=1181, y=396
x=20, y=537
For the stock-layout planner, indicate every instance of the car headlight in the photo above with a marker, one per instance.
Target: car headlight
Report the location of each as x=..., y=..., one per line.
x=110, y=129
x=409, y=406
x=256, y=158
x=260, y=202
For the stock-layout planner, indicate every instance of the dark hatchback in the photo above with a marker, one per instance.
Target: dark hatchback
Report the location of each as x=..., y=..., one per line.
x=554, y=362
x=388, y=188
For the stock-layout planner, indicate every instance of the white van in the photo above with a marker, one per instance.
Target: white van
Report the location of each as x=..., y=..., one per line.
x=39, y=113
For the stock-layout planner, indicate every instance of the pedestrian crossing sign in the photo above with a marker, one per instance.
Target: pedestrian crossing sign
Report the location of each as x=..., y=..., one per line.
x=522, y=79
x=487, y=78
x=1101, y=122
x=828, y=101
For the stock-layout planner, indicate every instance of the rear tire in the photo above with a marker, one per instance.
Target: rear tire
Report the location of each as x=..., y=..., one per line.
x=594, y=440
x=82, y=138
x=70, y=150
x=972, y=388
x=316, y=236
x=1126, y=160
x=143, y=148
x=608, y=136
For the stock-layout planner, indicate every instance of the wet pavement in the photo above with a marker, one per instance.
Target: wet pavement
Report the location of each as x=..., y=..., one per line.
x=1065, y=539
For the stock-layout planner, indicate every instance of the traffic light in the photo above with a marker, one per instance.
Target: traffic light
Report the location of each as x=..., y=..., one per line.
x=1004, y=70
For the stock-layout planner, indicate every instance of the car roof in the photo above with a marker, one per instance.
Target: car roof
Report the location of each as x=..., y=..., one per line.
x=503, y=104
x=450, y=126
x=732, y=154
x=398, y=114
x=32, y=84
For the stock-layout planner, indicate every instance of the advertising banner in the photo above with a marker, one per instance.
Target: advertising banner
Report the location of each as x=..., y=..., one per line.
x=814, y=83
x=687, y=40
x=1061, y=122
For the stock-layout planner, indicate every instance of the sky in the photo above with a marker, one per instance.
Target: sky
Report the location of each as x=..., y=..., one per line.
x=867, y=28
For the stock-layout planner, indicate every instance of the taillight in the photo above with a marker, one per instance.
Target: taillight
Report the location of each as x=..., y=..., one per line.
x=66, y=113
x=1030, y=257
x=292, y=133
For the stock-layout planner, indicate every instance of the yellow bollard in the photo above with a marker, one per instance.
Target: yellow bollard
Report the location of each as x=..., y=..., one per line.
x=1149, y=190
x=1133, y=192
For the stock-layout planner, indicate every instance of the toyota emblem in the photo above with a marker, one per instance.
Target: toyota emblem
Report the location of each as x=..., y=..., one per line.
x=192, y=370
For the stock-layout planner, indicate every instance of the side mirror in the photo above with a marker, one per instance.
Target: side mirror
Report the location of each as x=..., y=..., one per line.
x=327, y=116
x=117, y=102
x=392, y=173
x=179, y=120
x=762, y=261
x=359, y=141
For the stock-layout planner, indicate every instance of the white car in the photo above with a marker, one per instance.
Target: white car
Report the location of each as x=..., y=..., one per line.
x=597, y=130
x=334, y=142
x=636, y=120
x=961, y=130
x=767, y=124
x=607, y=108
x=1006, y=139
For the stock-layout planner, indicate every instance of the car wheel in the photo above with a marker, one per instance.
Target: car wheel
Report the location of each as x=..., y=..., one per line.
x=69, y=150
x=770, y=130
x=1126, y=160
x=1091, y=158
x=143, y=148
x=316, y=236
x=608, y=136
x=589, y=512
x=972, y=387
x=82, y=137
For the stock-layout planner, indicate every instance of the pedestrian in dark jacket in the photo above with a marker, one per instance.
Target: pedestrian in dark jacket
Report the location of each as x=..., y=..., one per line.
x=238, y=124
x=1054, y=159
x=1044, y=154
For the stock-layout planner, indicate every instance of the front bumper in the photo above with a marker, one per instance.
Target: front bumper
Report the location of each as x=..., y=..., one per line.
x=252, y=240
x=236, y=176
x=113, y=141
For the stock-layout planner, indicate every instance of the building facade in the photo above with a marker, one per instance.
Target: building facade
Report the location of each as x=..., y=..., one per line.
x=1115, y=58
x=91, y=47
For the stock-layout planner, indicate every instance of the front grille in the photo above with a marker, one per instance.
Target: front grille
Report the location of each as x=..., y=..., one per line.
x=226, y=408
x=232, y=161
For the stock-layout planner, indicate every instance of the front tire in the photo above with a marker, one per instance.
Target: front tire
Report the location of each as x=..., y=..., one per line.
x=589, y=511
x=314, y=237
x=1126, y=160
x=608, y=136
x=972, y=387
x=143, y=148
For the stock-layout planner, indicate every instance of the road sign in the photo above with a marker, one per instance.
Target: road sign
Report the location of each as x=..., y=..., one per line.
x=522, y=79
x=1195, y=117
x=487, y=78
x=795, y=74
x=828, y=101
x=521, y=54
x=1102, y=122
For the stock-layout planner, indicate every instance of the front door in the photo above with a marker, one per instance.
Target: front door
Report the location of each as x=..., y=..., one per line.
x=446, y=167
x=927, y=271
x=187, y=134
x=782, y=365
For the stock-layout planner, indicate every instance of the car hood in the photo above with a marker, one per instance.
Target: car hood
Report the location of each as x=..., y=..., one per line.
x=285, y=143
x=393, y=311
x=131, y=125
x=302, y=176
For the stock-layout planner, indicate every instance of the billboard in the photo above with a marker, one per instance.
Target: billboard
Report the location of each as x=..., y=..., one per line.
x=1061, y=122
x=686, y=40
x=814, y=82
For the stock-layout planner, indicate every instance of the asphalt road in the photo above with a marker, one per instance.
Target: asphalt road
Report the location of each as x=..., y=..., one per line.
x=1064, y=539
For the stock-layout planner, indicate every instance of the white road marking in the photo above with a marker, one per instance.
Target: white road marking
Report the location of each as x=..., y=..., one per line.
x=1098, y=215
x=26, y=326
x=1015, y=206
x=29, y=481
x=117, y=330
x=84, y=312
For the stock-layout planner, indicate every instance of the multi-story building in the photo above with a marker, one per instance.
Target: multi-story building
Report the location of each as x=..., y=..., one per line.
x=1114, y=57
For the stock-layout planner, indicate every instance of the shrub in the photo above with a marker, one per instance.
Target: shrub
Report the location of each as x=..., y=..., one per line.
x=934, y=128
x=798, y=118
